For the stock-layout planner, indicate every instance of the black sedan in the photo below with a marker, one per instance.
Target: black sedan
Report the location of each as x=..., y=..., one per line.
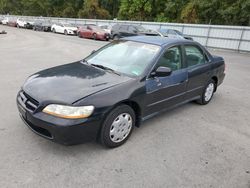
x=40, y=25
x=106, y=95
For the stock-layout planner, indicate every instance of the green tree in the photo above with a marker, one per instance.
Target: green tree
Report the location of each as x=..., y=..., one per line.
x=136, y=10
x=92, y=10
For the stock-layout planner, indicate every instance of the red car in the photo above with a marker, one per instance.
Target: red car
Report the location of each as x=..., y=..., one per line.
x=12, y=22
x=93, y=32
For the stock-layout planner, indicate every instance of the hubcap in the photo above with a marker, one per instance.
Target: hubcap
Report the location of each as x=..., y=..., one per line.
x=209, y=92
x=120, y=127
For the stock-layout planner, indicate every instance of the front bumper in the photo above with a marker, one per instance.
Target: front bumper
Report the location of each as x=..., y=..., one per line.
x=72, y=32
x=63, y=131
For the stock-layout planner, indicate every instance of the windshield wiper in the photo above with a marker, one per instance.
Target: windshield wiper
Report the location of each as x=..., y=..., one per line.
x=106, y=68
x=85, y=61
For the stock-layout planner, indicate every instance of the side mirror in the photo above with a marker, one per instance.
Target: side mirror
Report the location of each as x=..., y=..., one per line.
x=162, y=72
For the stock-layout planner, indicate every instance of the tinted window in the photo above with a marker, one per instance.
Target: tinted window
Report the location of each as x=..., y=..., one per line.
x=194, y=55
x=124, y=27
x=132, y=29
x=171, y=58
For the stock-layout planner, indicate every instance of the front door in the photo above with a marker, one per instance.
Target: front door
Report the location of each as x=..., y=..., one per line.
x=165, y=92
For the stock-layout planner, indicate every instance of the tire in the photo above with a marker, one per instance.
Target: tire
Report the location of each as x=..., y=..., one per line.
x=116, y=37
x=79, y=34
x=207, y=93
x=65, y=32
x=115, y=133
x=17, y=26
x=94, y=36
x=53, y=30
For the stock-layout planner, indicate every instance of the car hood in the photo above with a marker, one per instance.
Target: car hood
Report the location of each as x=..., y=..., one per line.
x=69, y=83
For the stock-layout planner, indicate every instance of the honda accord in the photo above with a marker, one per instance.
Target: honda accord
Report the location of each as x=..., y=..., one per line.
x=105, y=95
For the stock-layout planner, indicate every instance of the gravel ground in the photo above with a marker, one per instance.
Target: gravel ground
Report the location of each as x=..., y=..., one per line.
x=191, y=146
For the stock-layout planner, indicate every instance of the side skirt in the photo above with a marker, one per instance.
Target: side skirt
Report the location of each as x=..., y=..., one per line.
x=167, y=109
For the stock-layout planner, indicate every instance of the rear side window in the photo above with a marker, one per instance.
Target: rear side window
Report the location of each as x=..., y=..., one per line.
x=194, y=55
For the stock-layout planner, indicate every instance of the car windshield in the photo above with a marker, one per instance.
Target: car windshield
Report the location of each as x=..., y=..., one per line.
x=178, y=32
x=140, y=28
x=127, y=57
x=94, y=27
x=68, y=25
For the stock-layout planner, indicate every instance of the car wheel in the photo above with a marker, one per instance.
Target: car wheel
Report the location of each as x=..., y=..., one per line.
x=17, y=26
x=118, y=126
x=116, y=37
x=65, y=32
x=53, y=30
x=208, y=93
x=94, y=36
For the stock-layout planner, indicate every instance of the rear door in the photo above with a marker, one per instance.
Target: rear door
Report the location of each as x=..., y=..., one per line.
x=165, y=92
x=199, y=70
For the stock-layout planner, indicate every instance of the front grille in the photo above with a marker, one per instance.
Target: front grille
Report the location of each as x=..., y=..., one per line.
x=27, y=102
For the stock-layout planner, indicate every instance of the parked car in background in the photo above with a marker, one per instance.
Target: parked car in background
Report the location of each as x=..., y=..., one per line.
x=29, y=24
x=42, y=25
x=65, y=28
x=106, y=28
x=1, y=19
x=114, y=89
x=93, y=32
x=12, y=22
x=172, y=33
x=5, y=21
x=20, y=23
x=125, y=30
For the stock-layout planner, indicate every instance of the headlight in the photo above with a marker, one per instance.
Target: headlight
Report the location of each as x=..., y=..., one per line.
x=69, y=112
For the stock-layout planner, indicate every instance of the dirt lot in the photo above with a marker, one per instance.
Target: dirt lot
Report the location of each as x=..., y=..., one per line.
x=190, y=146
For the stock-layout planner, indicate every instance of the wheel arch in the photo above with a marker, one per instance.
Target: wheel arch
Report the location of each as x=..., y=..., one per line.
x=134, y=105
x=215, y=79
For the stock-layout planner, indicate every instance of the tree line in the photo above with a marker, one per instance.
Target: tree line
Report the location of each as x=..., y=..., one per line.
x=225, y=12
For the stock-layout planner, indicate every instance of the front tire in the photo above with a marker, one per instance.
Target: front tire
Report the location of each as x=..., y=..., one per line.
x=53, y=30
x=118, y=126
x=207, y=93
x=94, y=36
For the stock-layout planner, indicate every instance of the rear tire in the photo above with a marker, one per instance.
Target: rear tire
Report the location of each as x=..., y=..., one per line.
x=94, y=36
x=65, y=32
x=117, y=126
x=207, y=93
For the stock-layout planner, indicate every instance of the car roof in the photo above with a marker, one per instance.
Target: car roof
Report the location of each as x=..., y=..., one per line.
x=157, y=40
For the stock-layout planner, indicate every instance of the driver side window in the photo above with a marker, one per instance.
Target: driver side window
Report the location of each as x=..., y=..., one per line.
x=171, y=58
